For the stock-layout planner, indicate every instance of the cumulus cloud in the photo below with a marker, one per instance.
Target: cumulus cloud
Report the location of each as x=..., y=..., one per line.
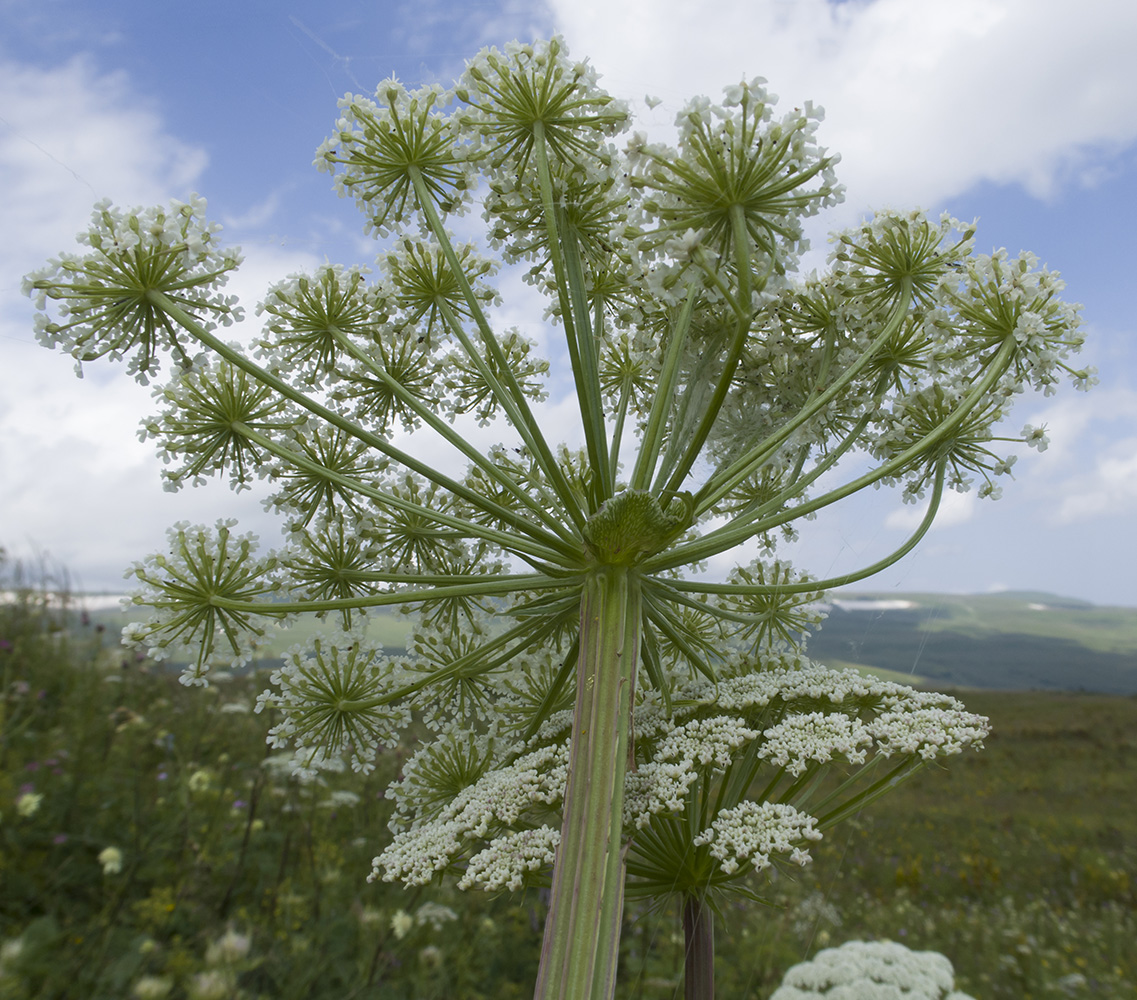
x=923, y=100
x=955, y=508
x=78, y=482
x=1090, y=467
x=1110, y=488
x=72, y=136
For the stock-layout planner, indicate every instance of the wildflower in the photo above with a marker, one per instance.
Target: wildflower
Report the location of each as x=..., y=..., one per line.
x=184, y=589
x=401, y=924
x=10, y=951
x=152, y=987
x=213, y=984
x=434, y=914
x=721, y=403
x=228, y=949
x=871, y=969
x=340, y=798
x=28, y=804
x=111, y=860
x=109, y=300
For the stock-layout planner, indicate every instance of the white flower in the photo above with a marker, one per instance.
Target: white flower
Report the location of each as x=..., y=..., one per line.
x=228, y=949
x=509, y=859
x=401, y=924
x=752, y=831
x=434, y=914
x=213, y=984
x=28, y=804
x=111, y=860
x=152, y=987
x=1035, y=437
x=103, y=297
x=876, y=970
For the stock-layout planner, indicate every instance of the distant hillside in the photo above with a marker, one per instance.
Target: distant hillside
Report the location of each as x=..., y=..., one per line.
x=1014, y=640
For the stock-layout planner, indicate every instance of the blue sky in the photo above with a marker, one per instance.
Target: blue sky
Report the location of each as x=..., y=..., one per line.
x=1021, y=112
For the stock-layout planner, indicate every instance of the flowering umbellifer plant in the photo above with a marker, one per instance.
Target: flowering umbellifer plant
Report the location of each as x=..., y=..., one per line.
x=716, y=394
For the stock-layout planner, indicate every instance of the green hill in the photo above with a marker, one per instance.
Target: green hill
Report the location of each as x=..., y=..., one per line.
x=1014, y=640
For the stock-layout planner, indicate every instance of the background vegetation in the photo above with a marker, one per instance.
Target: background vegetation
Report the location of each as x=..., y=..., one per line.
x=1017, y=862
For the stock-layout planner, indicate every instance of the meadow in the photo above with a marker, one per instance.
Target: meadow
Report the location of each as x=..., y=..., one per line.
x=152, y=846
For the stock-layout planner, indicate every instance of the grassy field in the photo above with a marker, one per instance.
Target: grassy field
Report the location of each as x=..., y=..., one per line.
x=1018, y=863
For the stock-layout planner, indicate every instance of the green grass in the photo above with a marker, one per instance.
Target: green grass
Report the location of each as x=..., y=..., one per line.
x=1018, y=862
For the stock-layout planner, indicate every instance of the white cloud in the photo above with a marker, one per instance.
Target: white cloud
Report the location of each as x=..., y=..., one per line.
x=923, y=100
x=1110, y=488
x=955, y=508
x=77, y=480
x=70, y=137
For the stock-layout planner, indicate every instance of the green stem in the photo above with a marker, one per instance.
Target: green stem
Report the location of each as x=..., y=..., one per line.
x=506, y=390
x=808, y=586
x=567, y=271
x=699, y=951
x=441, y=427
x=663, y=399
x=470, y=529
x=235, y=357
x=724, y=480
x=742, y=248
x=728, y=537
x=491, y=586
x=582, y=932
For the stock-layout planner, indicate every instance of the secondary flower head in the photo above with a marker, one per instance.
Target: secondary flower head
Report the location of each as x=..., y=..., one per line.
x=394, y=151
x=871, y=969
x=532, y=93
x=187, y=590
x=228, y=949
x=332, y=696
x=107, y=299
x=737, y=169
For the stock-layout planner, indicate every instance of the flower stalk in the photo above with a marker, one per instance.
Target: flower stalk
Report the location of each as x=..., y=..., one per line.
x=582, y=930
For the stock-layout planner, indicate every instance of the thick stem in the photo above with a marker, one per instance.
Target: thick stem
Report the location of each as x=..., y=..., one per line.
x=582, y=932
x=699, y=938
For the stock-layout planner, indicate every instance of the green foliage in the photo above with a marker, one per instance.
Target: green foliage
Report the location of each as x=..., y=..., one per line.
x=1016, y=863
x=215, y=836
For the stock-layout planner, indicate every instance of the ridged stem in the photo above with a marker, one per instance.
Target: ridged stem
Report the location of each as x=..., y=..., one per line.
x=582, y=932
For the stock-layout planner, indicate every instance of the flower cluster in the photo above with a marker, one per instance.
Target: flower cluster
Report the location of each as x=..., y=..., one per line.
x=333, y=699
x=752, y=831
x=379, y=149
x=498, y=799
x=482, y=806
x=871, y=969
x=187, y=590
x=106, y=298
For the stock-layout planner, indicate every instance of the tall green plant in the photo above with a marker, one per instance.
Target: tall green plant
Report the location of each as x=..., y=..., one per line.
x=717, y=396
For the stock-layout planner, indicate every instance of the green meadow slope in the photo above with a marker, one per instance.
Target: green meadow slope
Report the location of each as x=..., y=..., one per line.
x=1011, y=641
